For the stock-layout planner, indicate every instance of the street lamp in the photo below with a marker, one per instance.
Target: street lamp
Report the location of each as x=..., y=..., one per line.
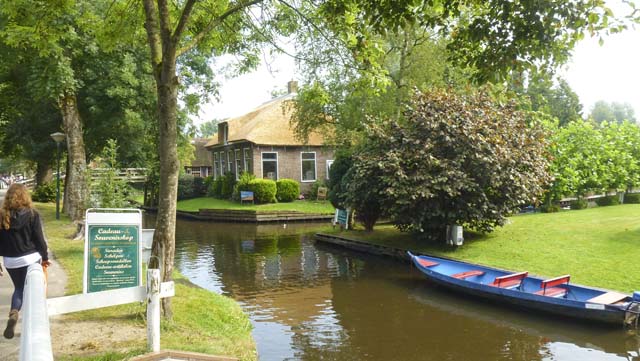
x=58, y=138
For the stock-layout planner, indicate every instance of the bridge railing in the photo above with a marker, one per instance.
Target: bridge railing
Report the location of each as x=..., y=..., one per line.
x=131, y=175
x=35, y=342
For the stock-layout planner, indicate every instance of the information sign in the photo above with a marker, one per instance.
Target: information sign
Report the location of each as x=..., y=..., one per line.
x=112, y=250
x=342, y=217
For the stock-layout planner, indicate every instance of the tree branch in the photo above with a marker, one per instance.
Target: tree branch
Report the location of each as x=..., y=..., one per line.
x=182, y=23
x=215, y=22
x=153, y=37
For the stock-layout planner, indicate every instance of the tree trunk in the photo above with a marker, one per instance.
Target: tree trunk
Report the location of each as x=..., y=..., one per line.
x=44, y=174
x=164, y=237
x=76, y=186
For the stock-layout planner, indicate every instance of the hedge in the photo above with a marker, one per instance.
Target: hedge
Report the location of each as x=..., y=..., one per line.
x=579, y=204
x=264, y=190
x=632, y=198
x=45, y=192
x=608, y=201
x=288, y=190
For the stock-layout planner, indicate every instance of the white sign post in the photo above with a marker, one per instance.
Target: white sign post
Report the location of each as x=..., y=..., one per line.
x=112, y=231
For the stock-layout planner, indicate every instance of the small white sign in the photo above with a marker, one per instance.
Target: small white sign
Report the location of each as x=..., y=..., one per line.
x=594, y=306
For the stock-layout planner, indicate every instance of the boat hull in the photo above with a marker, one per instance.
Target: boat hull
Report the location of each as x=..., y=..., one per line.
x=573, y=308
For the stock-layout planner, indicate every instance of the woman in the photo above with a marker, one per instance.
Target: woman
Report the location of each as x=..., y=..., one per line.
x=22, y=243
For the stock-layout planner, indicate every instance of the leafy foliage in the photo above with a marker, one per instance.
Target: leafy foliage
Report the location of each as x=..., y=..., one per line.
x=612, y=112
x=44, y=193
x=243, y=184
x=228, y=184
x=288, y=190
x=189, y=186
x=337, y=183
x=215, y=189
x=106, y=189
x=632, y=198
x=457, y=159
x=608, y=201
x=264, y=190
x=578, y=204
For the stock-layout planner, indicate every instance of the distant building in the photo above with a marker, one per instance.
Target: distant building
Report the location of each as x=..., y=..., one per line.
x=263, y=143
x=201, y=166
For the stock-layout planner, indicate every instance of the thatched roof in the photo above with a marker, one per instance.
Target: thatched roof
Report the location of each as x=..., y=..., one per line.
x=269, y=124
x=203, y=156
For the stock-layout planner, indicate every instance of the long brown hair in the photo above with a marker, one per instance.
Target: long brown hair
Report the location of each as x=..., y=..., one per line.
x=17, y=197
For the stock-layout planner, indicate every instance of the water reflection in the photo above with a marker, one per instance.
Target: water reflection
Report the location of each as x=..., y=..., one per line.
x=309, y=302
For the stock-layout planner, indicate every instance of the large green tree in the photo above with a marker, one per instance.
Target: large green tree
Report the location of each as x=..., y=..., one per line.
x=455, y=159
x=612, y=112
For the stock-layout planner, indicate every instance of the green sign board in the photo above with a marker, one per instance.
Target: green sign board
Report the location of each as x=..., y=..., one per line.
x=113, y=253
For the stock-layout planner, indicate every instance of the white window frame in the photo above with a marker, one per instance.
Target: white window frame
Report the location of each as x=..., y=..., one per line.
x=328, y=166
x=216, y=166
x=229, y=161
x=277, y=160
x=246, y=159
x=315, y=167
x=222, y=163
x=237, y=161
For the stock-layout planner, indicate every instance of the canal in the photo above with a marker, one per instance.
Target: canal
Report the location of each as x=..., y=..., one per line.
x=308, y=301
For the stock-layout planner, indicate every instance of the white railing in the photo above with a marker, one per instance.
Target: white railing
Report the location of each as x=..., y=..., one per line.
x=35, y=342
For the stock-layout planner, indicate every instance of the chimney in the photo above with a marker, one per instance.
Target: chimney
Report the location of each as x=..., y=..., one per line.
x=292, y=87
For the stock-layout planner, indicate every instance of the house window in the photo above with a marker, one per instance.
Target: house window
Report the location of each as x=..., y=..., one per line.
x=222, y=163
x=247, y=160
x=238, y=164
x=270, y=166
x=195, y=172
x=329, y=164
x=188, y=170
x=308, y=166
x=225, y=134
x=229, y=161
x=216, y=167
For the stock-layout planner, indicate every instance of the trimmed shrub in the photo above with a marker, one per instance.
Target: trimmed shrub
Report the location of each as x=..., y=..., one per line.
x=228, y=182
x=579, y=204
x=242, y=185
x=632, y=198
x=215, y=189
x=185, y=187
x=287, y=190
x=554, y=208
x=45, y=192
x=608, y=201
x=199, y=187
x=264, y=190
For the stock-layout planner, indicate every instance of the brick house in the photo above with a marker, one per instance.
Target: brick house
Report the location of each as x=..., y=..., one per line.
x=263, y=143
x=201, y=166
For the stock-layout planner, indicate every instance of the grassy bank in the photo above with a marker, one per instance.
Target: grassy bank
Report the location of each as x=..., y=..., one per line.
x=598, y=246
x=203, y=321
x=304, y=206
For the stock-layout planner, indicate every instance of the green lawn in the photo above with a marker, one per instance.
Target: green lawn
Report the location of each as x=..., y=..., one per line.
x=305, y=206
x=598, y=246
x=203, y=321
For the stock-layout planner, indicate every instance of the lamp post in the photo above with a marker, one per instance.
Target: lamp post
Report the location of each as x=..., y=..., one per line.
x=58, y=138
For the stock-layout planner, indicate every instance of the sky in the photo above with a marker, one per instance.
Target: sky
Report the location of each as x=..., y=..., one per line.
x=610, y=72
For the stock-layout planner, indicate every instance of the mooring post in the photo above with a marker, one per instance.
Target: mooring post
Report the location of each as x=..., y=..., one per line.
x=153, y=310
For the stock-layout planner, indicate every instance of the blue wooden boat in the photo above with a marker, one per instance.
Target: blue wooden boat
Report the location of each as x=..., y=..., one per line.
x=555, y=296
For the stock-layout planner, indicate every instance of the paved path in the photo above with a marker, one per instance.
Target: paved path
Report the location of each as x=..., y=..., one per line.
x=10, y=349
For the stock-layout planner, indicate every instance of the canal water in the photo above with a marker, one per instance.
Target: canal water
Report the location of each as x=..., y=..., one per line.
x=310, y=301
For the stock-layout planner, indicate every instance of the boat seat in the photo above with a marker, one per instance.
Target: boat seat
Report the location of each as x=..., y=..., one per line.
x=608, y=298
x=467, y=274
x=549, y=289
x=426, y=263
x=510, y=281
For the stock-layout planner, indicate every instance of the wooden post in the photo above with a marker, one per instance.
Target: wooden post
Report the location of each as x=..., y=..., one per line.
x=153, y=310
